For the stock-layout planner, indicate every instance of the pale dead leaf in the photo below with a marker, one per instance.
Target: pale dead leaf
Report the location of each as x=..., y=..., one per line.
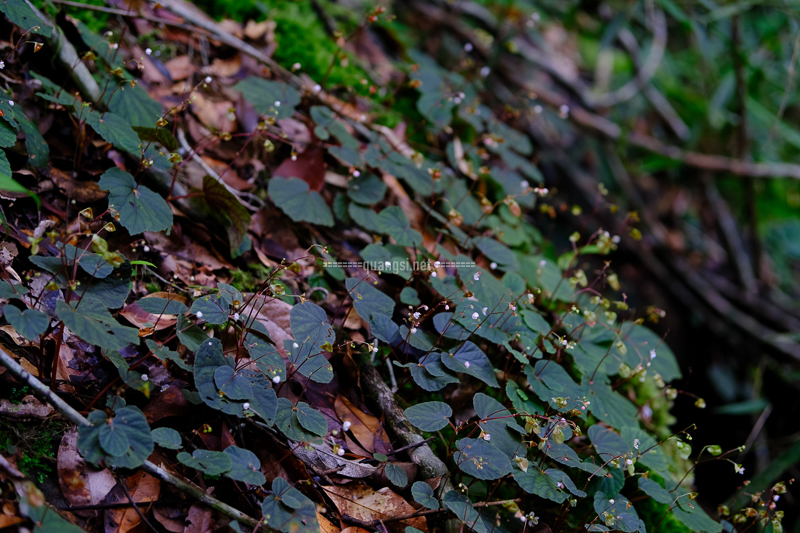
x=29, y=407
x=180, y=68
x=81, y=483
x=257, y=30
x=363, y=503
x=322, y=458
x=64, y=372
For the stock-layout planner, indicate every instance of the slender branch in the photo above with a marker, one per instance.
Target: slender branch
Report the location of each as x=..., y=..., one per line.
x=645, y=74
x=45, y=394
x=135, y=505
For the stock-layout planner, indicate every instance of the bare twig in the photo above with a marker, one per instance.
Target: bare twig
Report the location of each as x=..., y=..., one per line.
x=730, y=234
x=135, y=505
x=743, y=146
x=629, y=90
x=659, y=102
x=191, y=153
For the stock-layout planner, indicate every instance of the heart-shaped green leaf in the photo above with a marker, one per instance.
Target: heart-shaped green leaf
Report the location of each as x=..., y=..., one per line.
x=429, y=416
x=29, y=323
x=140, y=209
x=293, y=196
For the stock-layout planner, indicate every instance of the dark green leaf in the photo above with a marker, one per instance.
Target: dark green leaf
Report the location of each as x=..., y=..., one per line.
x=481, y=459
x=409, y=296
x=10, y=290
x=364, y=217
x=20, y=13
x=367, y=190
x=29, y=323
x=113, y=440
x=190, y=335
x=232, y=384
x=161, y=136
x=311, y=419
x=293, y=196
x=135, y=106
x=423, y=495
x=462, y=507
x=207, y=360
x=167, y=438
x=624, y=515
x=91, y=321
x=535, y=321
x=245, y=466
x=429, y=416
x=492, y=413
x=396, y=475
x=539, y=483
x=469, y=359
x=272, y=98
x=207, y=461
x=161, y=306
x=394, y=222
x=227, y=209
x=38, y=149
x=286, y=422
x=211, y=308
x=113, y=129
x=140, y=209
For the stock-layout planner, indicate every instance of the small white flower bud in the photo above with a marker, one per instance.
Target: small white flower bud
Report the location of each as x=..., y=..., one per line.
x=475, y=316
x=246, y=406
x=208, y=79
x=276, y=380
x=346, y=425
x=144, y=377
x=199, y=314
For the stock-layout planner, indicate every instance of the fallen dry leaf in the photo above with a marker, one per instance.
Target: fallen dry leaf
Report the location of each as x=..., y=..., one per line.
x=143, y=488
x=146, y=322
x=363, y=503
x=171, y=518
x=180, y=68
x=365, y=427
x=309, y=166
x=81, y=483
x=200, y=520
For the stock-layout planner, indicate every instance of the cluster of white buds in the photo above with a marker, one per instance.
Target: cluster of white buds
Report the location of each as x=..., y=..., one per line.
x=541, y=191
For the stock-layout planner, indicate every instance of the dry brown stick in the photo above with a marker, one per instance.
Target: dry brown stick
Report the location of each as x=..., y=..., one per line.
x=743, y=146
x=133, y=14
x=647, y=70
x=730, y=235
x=659, y=102
x=135, y=505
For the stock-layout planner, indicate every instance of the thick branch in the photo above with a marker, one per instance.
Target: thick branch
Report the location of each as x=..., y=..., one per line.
x=67, y=58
